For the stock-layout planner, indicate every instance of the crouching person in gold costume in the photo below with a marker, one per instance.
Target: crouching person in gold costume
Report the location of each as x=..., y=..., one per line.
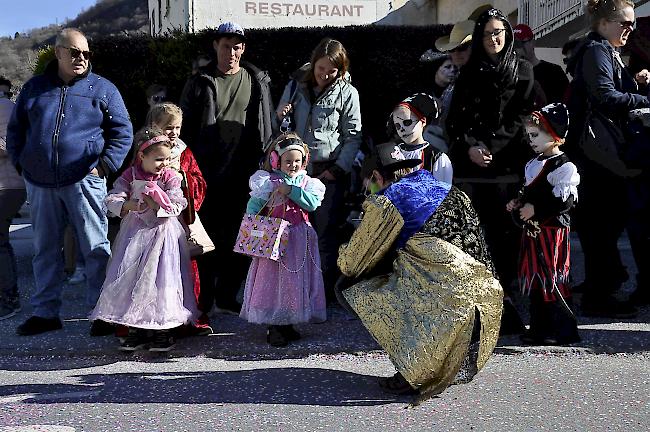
x=423, y=281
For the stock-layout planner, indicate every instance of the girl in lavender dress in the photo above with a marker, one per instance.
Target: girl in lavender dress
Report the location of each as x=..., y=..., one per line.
x=148, y=284
x=290, y=290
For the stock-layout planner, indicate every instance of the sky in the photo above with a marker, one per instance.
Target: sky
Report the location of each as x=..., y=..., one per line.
x=23, y=15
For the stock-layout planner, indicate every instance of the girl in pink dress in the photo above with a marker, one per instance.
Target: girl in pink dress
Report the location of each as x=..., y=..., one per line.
x=288, y=291
x=148, y=285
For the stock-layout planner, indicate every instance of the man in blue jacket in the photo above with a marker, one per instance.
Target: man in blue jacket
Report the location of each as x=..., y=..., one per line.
x=69, y=129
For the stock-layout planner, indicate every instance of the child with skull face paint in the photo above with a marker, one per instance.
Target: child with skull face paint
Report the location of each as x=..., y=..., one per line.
x=409, y=119
x=543, y=206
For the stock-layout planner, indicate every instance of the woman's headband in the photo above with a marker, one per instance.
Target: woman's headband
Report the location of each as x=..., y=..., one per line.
x=152, y=141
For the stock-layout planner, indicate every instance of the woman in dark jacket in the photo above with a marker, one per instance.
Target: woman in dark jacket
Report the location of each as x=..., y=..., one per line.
x=487, y=138
x=603, y=93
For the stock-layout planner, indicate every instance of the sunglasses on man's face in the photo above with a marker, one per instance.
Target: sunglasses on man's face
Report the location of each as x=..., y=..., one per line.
x=158, y=99
x=77, y=53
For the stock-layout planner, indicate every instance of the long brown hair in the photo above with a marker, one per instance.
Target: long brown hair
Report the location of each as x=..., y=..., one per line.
x=334, y=51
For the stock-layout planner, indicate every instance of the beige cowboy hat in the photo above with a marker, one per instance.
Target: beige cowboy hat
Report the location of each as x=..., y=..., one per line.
x=461, y=33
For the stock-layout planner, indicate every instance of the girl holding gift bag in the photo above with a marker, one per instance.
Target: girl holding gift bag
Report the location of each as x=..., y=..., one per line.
x=290, y=290
x=169, y=117
x=148, y=284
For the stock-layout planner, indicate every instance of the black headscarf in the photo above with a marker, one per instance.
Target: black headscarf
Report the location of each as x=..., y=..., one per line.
x=508, y=65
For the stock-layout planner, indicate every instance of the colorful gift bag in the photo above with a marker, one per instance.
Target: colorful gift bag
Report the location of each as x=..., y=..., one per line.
x=262, y=236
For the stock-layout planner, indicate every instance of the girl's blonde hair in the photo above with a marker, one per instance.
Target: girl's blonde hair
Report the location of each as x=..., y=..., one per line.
x=163, y=114
x=605, y=9
x=144, y=135
x=534, y=120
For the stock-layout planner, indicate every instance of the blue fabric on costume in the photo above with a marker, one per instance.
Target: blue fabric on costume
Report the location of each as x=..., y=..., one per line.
x=416, y=197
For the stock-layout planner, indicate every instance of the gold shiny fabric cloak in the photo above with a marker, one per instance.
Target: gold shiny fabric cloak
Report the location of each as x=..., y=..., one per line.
x=422, y=313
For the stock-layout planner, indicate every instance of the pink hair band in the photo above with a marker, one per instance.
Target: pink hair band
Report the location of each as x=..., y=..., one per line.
x=152, y=141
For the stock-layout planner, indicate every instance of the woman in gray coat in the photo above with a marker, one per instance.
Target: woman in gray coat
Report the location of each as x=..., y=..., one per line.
x=325, y=112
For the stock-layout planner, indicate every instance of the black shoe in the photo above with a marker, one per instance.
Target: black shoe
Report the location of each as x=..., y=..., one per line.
x=135, y=340
x=553, y=341
x=290, y=333
x=163, y=341
x=37, y=325
x=102, y=328
x=275, y=337
x=511, y=323
x=608, y=307
x=529, y=338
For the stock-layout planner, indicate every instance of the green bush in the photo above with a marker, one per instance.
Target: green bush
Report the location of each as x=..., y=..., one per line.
x=384, y=63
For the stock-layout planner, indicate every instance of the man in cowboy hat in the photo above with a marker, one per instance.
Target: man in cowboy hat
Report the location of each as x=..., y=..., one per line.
x=458, y=45
x=458, y=42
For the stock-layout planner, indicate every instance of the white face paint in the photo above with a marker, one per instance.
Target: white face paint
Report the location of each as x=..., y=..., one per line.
x=409, y=127
x=540, y=140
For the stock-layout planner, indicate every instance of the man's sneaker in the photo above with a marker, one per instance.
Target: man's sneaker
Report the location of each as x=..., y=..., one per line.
x=78, y=276
x=9, y=309
x=102, y=328
x=135, y=340
x=163, y=341
x=36, y=325
x=608, y=307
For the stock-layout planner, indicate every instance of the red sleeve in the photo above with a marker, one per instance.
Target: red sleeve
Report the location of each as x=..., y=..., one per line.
x=196, y=183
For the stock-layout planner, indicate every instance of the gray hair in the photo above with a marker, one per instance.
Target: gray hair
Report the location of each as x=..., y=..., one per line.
x=64, y=35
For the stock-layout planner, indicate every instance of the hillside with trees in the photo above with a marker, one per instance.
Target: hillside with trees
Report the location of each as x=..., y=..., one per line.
x=18, y=54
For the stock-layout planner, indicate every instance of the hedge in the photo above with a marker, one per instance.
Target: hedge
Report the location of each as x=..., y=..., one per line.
x=384, y=63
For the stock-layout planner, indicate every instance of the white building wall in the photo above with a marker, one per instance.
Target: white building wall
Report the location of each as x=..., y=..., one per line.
x=169, y=15
x=195, y=15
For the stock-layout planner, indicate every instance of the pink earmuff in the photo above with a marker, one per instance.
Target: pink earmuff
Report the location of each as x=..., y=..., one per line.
x=274, y=160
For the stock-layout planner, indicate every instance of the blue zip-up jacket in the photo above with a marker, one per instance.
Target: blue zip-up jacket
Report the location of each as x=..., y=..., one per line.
x=59, y=132
x=599, y=81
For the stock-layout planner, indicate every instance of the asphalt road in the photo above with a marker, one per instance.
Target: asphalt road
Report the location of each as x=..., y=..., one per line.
x=67, y=381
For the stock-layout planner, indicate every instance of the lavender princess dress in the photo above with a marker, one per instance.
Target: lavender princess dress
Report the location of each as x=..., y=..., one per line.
x=148, y=281
x=288, y=291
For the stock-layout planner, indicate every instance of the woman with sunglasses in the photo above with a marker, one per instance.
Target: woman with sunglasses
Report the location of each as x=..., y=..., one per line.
x=327, y=115
x=602, y=94
x=488, y=145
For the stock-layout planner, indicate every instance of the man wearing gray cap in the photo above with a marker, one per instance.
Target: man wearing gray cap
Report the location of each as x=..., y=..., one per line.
x=228, y=113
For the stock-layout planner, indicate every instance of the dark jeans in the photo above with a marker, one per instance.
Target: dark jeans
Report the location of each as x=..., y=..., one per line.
x=600, y=219
x=328, y=220
x=12, y=200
